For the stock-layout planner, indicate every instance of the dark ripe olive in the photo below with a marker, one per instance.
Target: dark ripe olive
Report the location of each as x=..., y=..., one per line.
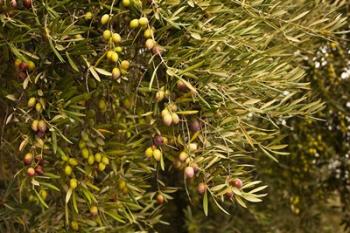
x=40, y=134
x=27, y=3
x=158, y=140
x=22, y=76
x=23, y=66
x=39, y=160
x=39, y=170
x=195, y=126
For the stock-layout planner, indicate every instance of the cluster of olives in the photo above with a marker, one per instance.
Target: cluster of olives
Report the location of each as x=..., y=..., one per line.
x=18, y=4
x=35, y=164
x=23, y=68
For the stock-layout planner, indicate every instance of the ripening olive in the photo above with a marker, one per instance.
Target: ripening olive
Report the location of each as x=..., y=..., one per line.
x=28, y=158
x=125, y=64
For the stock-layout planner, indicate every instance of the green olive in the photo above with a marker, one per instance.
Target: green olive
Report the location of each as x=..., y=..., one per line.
x=68, y=170
x=143, y=21
x=98, y=157
x=134, y=23
x=149, y=152
x=104, y=19
x=73, y=183
x=85, y=153
x=107, y=35
x=88, y=16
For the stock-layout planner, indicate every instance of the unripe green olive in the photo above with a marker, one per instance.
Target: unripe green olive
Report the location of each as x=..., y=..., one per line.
x=116, y=38
x=73, y=162
x=118, y=49
x=114, y=57
x=107, y=35
x=104, y=19
x=148, y=33
x=143, y=21
x=126, y=3
x=115, y=73
x=38, y=107
x=125, y=64
x=102, y=105
x=82, y=144
x=149, y=152
x=88, y=16
x=134, y=23
x=43, y=194
x=98, y=157
x=109, y=54
x=31, y=102
x=85, y=153
x=94, y=210
x=73, y=183
x=157, y=154
x=101, y=166
x=123, y=71
x=105, y=160
x=68, y=170
x=31, y=65
x=91, y=159
x=122, y=184
x=65, y=158
x=74, y=225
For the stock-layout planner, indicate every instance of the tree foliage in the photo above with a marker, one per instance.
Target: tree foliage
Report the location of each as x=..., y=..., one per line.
x=113, y=108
